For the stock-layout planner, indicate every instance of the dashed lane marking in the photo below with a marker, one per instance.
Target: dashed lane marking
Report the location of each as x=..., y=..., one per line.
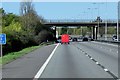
x=97, y=63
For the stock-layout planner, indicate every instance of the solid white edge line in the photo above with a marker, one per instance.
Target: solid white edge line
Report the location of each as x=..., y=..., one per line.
x=39, y=73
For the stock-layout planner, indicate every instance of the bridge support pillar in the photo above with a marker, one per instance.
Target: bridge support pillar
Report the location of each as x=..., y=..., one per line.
x=95, y=29
x=93, y=33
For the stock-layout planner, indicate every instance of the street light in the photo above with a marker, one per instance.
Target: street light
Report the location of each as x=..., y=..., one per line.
x=97, y=7
x=91, y=18
x=85, y=14
x=118, y=21
x=106, y=23
x=98, y=16
x=91, y=12
x=98, y=20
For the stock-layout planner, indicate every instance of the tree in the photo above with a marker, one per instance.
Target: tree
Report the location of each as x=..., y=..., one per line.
x=111, y=30
x=2, y=12
x=29, y=17
x=30, y=20
x=70, y=31
x=8, y=18
x=64, y=31
x=26, y=7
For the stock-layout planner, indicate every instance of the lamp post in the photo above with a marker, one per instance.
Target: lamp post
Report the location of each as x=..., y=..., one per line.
x=85, y=14
x=98, y=7
x=91, y=12
x=83, y=18
x=97, y=17
x=106, y=23
x=91, y=21
x=118, y=21
x=98, y=22
x=106, y=30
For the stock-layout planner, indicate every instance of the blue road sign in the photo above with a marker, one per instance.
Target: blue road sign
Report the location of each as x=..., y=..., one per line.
x=2, y=38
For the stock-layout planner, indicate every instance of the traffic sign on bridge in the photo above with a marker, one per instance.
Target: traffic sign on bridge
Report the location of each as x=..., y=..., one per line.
x=2, y=38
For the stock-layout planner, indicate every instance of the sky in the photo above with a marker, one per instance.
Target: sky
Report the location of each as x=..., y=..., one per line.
x=61, y=0
x=68, y=10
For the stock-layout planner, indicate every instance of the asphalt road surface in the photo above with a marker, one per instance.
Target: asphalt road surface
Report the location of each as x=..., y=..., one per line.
x=28, y=65
x=76, y=60
x=105, y=54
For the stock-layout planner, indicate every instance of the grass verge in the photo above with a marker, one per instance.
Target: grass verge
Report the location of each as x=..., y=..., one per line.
x=14, y=55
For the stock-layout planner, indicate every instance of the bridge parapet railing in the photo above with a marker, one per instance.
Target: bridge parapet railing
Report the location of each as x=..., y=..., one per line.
x=81, y=20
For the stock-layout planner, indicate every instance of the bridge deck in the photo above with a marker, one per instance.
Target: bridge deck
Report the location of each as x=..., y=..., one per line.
x=80, y=23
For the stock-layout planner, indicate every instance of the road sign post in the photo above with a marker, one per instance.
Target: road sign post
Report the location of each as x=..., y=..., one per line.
x=2, y=39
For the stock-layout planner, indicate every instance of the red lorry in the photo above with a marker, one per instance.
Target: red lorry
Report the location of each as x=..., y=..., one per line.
x=65, y=39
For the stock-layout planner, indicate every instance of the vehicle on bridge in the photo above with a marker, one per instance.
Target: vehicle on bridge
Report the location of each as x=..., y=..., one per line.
x=65, y=39
x=114, y=38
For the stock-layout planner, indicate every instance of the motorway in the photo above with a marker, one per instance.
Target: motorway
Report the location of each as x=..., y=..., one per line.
x=76, y=60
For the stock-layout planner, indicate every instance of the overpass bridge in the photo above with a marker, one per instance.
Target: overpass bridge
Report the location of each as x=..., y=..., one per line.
x=95, y=24
x=78, y=22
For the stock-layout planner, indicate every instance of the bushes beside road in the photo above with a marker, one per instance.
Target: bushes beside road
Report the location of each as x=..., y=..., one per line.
x=14, y=55
x=24, y=30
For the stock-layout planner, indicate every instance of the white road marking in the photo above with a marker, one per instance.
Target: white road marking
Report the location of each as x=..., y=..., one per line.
x=106, y=70
x=110, y=50
x=117, y=51
x=97, y=63
x=91, y=58
x=45, y=64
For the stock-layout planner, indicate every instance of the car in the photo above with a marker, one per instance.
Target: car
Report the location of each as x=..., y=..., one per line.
x=58, y=41
x=90, y=39
x=70, y=39
x=114, y=38
x=85, y=39
x=74, y=39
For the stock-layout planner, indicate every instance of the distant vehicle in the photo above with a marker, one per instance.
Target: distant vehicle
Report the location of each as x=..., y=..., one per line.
x=70, y=39
x=85, y=39
x=58, y=39
x=74, y=39
x=114, y=38
x=65, y=39
x=90, y=39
